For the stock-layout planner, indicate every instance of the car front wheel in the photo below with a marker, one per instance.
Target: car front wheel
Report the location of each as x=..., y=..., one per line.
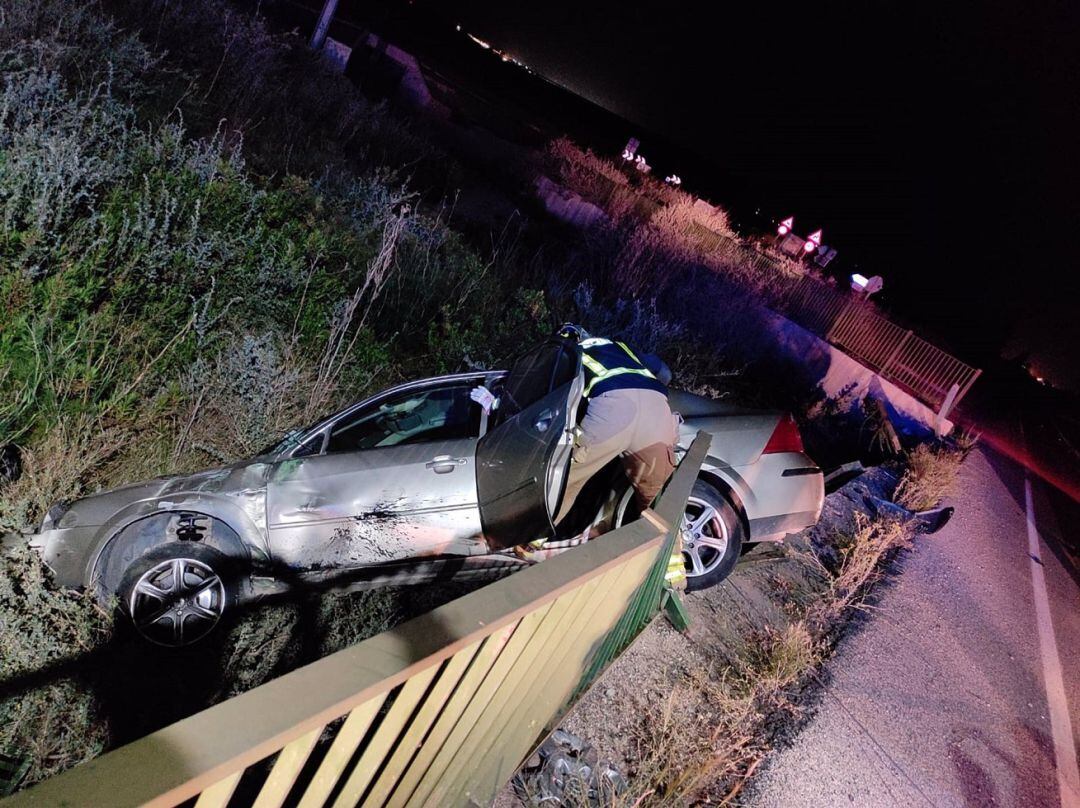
x=178, y=595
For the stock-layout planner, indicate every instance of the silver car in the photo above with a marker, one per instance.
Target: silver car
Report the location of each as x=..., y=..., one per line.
x=413, y=484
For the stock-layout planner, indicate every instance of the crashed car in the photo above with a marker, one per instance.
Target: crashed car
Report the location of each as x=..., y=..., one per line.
x=416, y=483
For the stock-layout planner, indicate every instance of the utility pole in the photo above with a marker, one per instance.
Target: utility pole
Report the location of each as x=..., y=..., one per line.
x=319, y=37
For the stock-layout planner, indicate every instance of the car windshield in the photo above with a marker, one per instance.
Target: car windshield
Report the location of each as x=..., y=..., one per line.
x=290, y=440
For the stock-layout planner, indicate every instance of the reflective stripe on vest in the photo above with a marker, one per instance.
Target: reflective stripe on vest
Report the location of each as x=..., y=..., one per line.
x=601, y=373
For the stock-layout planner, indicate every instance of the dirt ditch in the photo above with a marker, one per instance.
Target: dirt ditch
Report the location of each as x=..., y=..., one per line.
x=686, y=719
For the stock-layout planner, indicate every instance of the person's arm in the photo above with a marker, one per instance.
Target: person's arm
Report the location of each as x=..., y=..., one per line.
x=657, y=367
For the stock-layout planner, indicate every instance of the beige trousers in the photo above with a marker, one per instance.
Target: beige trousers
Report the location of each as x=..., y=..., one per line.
x=636, y=425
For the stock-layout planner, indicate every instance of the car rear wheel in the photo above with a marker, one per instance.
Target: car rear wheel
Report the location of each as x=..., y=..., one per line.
x=712, y=537
x=712, y=534
x=177, y=596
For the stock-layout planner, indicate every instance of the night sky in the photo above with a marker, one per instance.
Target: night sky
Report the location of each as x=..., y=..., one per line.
x=935, y=145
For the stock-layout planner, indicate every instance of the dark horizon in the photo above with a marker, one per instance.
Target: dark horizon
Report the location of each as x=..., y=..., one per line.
x=931, y=145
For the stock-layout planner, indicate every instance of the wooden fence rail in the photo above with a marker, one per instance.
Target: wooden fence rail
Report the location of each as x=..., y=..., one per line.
x=439, y=711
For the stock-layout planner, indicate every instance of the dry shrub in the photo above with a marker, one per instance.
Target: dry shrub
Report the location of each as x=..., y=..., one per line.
x=787, y=656
x=57, y=467
x=682, y=213
x=862, y=555
x=583, y=170
x=242, y=399
x=340, y=343
x=702, y=741
x=648, y=259
x=930, y=477
x=966, y=440
x=57, y=724
x=701, y=734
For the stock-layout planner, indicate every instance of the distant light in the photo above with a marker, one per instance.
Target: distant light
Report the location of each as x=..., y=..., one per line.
x=458, y=27
x=860, y=280
x=783, y=230
x=479, y=42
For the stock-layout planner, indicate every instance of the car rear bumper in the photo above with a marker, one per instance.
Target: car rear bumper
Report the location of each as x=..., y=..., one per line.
x=787, y=491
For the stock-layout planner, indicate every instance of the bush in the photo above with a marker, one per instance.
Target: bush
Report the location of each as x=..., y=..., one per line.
x=52, y=721
x=929, y=478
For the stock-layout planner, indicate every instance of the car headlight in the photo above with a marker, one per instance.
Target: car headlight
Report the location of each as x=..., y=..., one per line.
x=54, y=515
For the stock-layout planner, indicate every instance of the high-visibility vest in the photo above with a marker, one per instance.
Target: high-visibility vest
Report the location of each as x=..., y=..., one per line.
x=599, y=372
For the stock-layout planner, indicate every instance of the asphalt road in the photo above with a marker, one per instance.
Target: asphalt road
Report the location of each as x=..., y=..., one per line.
x=963, y=687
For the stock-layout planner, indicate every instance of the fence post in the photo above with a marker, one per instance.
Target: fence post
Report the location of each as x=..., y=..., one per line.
x=946, y=406
x=327, y=15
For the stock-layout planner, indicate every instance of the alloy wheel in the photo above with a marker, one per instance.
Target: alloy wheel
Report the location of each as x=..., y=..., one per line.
x=177, y=601
x=705, y=537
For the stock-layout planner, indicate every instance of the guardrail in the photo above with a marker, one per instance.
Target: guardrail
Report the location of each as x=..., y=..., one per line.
x=440, y=710
x=898, y=354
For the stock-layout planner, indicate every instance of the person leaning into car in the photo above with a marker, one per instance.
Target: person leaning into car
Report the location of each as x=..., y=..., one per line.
x=627, y=417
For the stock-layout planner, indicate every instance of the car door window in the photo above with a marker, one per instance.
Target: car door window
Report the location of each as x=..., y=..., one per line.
x=545, y=368
x=414, y=416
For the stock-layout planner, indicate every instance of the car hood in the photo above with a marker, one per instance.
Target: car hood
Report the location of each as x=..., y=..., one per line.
x=97, y=509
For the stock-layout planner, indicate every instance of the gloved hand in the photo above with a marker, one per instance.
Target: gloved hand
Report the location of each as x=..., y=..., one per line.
x=485, y=398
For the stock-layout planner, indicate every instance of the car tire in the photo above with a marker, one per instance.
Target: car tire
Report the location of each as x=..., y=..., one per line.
x=716, y=566
x=712, y=537
x=178, y=594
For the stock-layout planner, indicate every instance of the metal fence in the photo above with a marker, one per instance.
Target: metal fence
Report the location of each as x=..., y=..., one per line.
x=934, y=376
x=896, y=353
x=438, y=711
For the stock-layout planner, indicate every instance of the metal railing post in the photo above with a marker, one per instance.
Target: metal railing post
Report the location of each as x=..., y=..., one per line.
x=946, y=405
x=325, y=18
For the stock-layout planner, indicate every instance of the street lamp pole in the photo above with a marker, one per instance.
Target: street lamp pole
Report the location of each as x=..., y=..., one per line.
x=319, y=37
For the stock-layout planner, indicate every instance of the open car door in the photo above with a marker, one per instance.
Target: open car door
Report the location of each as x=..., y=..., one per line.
x=523, y=462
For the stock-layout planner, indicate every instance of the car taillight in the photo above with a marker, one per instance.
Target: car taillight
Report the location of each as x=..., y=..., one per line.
x=785, y=438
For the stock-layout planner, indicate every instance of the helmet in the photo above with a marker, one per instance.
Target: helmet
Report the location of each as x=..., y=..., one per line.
x=569, y=331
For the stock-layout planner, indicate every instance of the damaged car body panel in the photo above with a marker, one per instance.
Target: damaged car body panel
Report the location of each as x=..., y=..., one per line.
x=87, y=544
x=387, y=504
